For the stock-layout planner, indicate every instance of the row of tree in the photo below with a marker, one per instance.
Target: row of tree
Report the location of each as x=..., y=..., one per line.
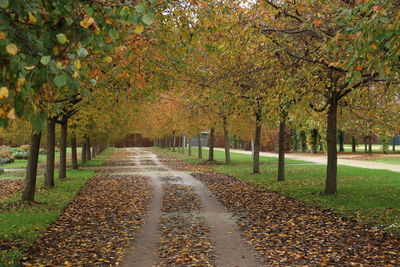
x=304, y=63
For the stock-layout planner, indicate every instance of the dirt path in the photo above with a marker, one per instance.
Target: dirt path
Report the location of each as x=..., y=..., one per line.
x=186, y=199
x=322, y=160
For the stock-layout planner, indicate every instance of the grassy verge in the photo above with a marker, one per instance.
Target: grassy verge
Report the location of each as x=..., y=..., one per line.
x=236, y=158
x=395, y=161
x=21, y=163
x=370, y=196
x=21, y=224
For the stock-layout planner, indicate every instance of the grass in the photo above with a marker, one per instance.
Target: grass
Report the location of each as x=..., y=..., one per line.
x=236, y=158
x=21, y=163
x=12, y=175
x=22, y=224
x=375, y=149
x=370, y=196
x=395, y=161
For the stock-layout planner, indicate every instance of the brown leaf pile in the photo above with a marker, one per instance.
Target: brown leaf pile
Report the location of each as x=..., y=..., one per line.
x=98, y=227
x=185, y=238
x=180, y=198
x=8, y=187
x=185, y=241
x=288, y=232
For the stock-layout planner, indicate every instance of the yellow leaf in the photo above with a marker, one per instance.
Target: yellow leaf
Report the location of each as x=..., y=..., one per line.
x=108, y=21
x=3, y=92
x=31, y=18
x=55, y=51
x=3, y=35
x=77, y=64
x=108, y=59
x=11, y=114
x=12, y=49
x=374, y=47
x=139, y=28
x=21, y=82
x=87, y=22
x=75, y=75
x=30, y=67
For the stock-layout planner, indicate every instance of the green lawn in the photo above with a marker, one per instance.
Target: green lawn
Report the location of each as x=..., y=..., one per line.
x=21, y=224
x=236, y=158
x=370, y=196
x=21, y=163
x=388, y=160
x=375, y=149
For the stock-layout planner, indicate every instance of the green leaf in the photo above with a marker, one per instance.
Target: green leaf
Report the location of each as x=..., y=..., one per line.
x=45, y=60
x=148, y=18
x=124, y=12
x=60, y=80
x=153, y=2
x=69, y=20
x=113, y=34
x=82, y=52
x=4, y=3
x=140, y=8
x=61, y=38
x=93, y=82
x=37, y=121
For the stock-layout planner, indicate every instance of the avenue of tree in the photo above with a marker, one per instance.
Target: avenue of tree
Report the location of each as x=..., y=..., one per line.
x=171, y=69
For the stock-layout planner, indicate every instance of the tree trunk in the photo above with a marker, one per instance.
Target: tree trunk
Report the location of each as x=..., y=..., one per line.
x=183, y=144
x=303, y=138
x=394, y=143
x=50, y=156
x=74, y=154
x=331, y=170
x=94, y=150
x=370, y=144
x=353, y=144
x=366, y=144
x=341, y=141
x=295, y=141
x=88, y=149
x=211, y=145
x=62, y=174
x=31, y=169
x=252, y=148
x=227, y=144
x=190, y=147
x=173, y=142
x=314, y=140
x=200, y=149
x=256, y=148
x=281, y=162
x=84, y=153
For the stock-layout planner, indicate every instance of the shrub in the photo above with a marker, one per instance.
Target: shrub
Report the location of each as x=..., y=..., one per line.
x=24, y=147
x=6, y=157
x=6, y=154
x=42, y=151
x=1, y=170
x=6, y=160
x=21, y=155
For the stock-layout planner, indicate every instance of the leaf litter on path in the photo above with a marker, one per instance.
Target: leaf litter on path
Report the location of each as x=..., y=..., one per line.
x=185, y=237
